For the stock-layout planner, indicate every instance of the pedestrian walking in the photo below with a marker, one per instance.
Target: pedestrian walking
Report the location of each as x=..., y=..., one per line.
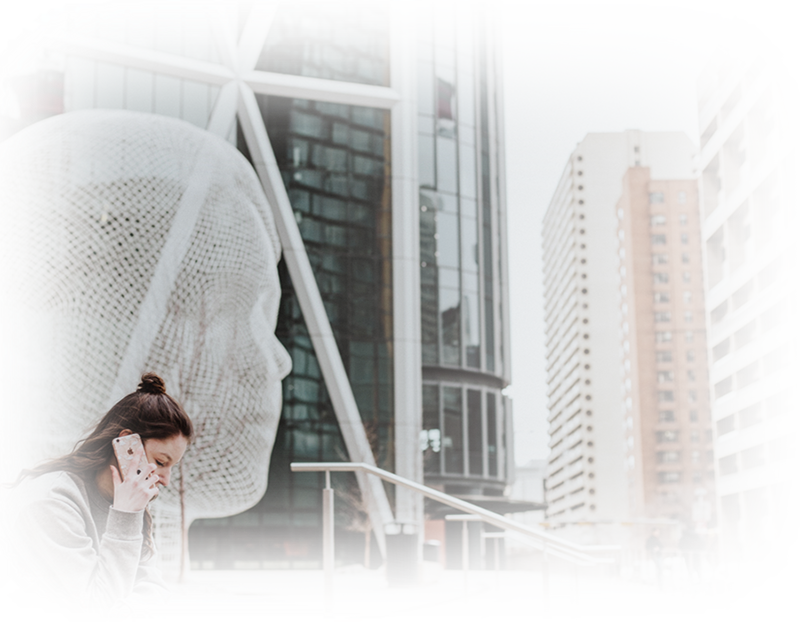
x=690, y=544
x=655, y=547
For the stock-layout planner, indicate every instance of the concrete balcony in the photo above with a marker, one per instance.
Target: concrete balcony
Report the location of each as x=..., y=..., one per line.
x=759, y=173
x=759, y=477
x=730, y=82
x=733, y=362
x=738, y=400
x=739, y=440
x=756, y=90
x=780, y=289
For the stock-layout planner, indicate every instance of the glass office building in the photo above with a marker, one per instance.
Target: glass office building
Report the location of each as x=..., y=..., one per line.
x=386, y=126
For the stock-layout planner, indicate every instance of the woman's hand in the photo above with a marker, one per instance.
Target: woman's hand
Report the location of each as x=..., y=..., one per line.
x=136, y=491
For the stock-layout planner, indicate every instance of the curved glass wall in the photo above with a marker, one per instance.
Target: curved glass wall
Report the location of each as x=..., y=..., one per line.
x=463, y=414
x=329, y=40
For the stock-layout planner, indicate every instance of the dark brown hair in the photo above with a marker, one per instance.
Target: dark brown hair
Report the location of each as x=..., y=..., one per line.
x=148, y=412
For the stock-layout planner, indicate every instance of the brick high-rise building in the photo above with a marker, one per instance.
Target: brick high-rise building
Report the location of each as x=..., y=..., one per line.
x=585, y=474
x=667, y=424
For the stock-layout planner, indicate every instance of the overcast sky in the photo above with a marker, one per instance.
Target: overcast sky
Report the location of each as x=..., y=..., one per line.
x=571, y=67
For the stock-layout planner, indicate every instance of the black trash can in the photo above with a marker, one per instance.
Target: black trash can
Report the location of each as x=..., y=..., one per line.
x=431, y=550
x=401, y=555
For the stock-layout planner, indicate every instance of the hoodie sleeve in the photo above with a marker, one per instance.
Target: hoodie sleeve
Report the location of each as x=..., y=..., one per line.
x=50, y=536
x=149, y=586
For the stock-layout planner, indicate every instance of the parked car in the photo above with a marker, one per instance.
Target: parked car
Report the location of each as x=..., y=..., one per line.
x=640, y=572
x=737, y=575
x=676, y=574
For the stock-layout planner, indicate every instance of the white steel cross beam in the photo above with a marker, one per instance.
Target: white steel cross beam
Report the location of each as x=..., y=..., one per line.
x=240, y=82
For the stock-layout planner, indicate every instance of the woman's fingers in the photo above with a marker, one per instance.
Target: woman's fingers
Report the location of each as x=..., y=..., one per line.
x=115, y=478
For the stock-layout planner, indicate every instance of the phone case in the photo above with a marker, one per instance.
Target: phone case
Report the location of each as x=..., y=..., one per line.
x=125, y=447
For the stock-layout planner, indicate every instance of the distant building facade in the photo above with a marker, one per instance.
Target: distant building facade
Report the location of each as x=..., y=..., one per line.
x=749, y=167
x=667, y=427
x=586, y=476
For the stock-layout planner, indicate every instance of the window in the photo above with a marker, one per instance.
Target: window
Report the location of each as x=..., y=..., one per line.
x=656, y=197
x=658, y=220
x=690, y=375
x=663, y=316
x=728, y=465
x=685, y=257
x=684, y=219
x=719, y=312
x=681, y=197
x=694, y=436
x=663, y=336
x=721, y=349
x=726, y=425
x=666, y=416
x=669, y=477
x=687, y=297
x=684, y=238
x=660, y=277
x=692, y=396
x=687, y=278
x=659, y=260
x=689, y=356
x=774, y=206
x=657, y=239
x=666, y=396
x=696, y=457
x=664, y=356
x=668, y=456
x=665, y=376
x=723, y=387
x=687, y=316
x=667, y=436
x=693, y=416
x=689, y=336
x=661, y=296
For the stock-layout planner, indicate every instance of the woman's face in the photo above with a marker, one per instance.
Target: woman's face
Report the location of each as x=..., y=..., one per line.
x=164, y=453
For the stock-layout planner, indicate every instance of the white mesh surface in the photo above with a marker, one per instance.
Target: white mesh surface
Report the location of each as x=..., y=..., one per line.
x=134, y=242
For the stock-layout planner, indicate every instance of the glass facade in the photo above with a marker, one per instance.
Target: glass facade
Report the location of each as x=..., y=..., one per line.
x=458, y=256
x=337, y=170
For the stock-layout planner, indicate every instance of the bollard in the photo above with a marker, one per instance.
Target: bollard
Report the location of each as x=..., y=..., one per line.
x=327, y=537
x=497, y=564
x=465, y=558
x=545, y=583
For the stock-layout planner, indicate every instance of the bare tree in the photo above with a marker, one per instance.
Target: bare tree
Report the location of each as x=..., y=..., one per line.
x=193, y=338
x=354, y=506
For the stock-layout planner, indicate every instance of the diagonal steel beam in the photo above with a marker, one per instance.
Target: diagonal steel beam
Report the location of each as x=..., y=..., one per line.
x=223, y=18
x=223, y=115
x=319, y=328
x=319, y=89
x=254, y=35
x=147, y=60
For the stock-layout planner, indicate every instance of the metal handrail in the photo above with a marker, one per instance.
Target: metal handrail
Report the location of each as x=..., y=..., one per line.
x=551, y=544
x=490, y=517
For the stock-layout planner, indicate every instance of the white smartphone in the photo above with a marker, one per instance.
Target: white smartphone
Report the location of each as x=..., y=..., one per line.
x=125, y=448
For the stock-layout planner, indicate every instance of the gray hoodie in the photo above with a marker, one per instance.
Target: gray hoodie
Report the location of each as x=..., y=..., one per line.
x=60, y=531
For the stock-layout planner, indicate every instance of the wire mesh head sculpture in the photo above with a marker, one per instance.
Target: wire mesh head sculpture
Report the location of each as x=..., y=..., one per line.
x=136, y=242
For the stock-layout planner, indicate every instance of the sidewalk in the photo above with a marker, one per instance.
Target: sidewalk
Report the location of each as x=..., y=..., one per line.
x=362, y=595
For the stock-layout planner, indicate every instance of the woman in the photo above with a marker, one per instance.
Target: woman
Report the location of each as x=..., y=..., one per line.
x=79, y=530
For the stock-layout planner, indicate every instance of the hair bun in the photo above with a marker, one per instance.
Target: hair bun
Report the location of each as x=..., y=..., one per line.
x=152, y=383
